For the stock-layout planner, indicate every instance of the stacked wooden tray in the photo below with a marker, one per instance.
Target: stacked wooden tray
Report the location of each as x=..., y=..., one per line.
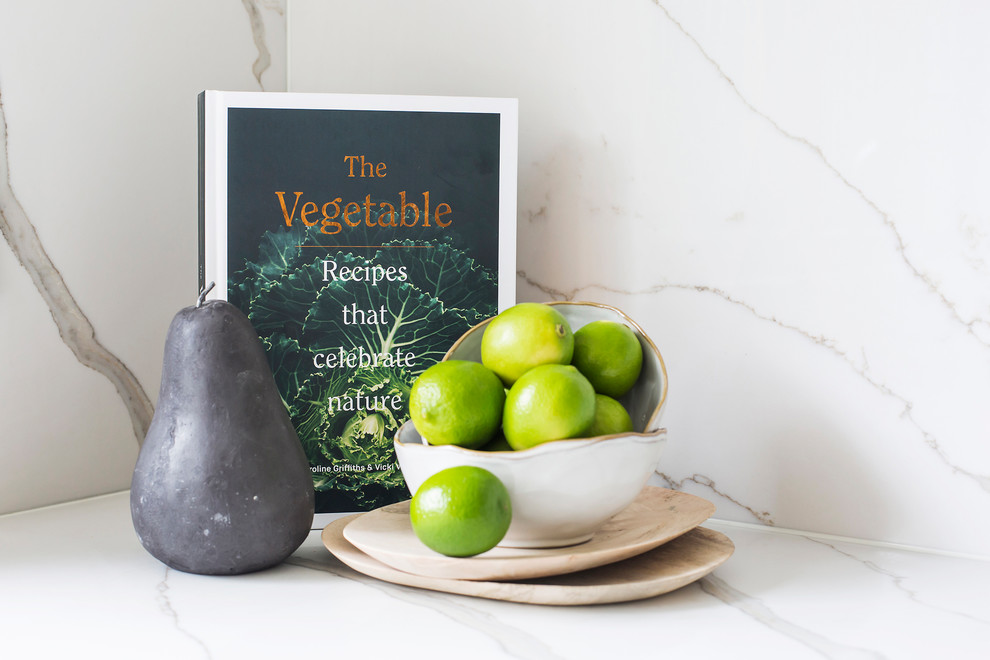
x=652, y=547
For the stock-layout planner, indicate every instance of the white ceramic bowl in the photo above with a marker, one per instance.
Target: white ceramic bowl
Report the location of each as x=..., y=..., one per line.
x=562, y=491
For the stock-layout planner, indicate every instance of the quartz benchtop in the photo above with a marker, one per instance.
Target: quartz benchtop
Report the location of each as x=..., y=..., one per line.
x=75, y=582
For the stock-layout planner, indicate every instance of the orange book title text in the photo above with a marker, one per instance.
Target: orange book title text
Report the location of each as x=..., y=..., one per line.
x=332, y=216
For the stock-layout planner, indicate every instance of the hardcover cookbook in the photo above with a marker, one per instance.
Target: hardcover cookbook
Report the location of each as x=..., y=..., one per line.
x=361, y=235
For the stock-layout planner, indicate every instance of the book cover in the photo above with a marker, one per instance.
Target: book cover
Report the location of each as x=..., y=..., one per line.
x=361, y=235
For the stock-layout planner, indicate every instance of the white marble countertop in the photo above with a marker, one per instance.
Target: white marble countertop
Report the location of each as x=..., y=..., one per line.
x=75, y=582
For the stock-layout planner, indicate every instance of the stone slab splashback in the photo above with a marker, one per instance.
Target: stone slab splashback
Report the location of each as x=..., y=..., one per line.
x=98, y=207
x=789, y=197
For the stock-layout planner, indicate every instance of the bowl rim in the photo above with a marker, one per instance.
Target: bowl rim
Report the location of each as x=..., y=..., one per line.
x=552, y=447
x=639, y=330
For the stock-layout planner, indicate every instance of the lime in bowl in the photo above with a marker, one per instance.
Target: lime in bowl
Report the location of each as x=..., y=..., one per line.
x=561, y=491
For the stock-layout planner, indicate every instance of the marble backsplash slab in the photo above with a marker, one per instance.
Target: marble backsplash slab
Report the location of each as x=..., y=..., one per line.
x=788, y=197
x=98, y=195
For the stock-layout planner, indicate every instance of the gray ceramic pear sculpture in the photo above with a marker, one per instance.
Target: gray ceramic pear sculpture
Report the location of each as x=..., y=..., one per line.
x=221, y=485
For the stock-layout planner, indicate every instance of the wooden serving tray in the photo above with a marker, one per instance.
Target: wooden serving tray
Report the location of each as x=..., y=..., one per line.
x=654, y=572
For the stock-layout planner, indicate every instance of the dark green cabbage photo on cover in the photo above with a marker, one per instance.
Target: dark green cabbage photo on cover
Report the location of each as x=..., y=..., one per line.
x=361, y=245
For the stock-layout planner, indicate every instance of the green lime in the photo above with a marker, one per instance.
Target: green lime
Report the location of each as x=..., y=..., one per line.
x=549, y=402
x=457, y=402
x=461, y=511
x=525, y=336
x=610, y=417
x=608, y=353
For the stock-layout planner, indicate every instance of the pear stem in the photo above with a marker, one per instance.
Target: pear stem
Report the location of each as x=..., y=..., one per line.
x=202, y=294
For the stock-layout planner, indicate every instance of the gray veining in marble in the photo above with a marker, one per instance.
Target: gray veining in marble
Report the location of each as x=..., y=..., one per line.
x=765, y=517
x=755, y=608
x=885, y=217
x=861, y=370
x=514, y=642
x=74, y=327
x=166, y=607
x=898, y=581
x=258, y=32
